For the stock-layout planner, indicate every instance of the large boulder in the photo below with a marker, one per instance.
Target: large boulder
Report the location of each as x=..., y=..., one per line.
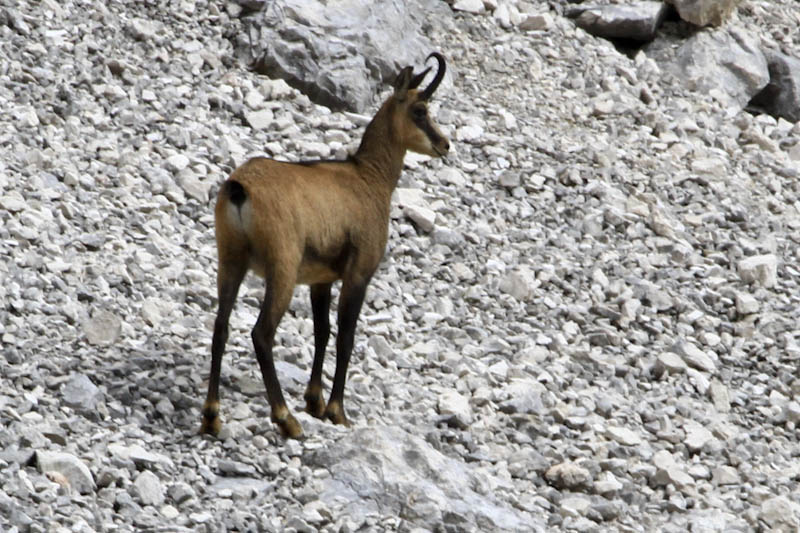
x=638, y=21
x=705, y=12
x=339, y=52
x=726, y=61
x=781, y=96
x=387, y=470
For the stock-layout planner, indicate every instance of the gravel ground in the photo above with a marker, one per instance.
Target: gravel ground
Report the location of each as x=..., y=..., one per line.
x=586, y=319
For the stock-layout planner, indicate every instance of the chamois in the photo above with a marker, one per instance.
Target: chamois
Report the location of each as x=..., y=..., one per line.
x=315, y=223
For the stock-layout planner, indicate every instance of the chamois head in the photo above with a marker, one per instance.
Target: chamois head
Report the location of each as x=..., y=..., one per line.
x=411, y=117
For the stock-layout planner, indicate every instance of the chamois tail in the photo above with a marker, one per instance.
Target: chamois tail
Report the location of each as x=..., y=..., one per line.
x=234, y=192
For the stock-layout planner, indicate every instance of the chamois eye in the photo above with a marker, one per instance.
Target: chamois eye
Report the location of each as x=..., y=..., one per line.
x=420, y=112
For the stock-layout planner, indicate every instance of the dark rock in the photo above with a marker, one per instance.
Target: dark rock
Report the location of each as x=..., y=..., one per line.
x=781, y=96
x=638, y=21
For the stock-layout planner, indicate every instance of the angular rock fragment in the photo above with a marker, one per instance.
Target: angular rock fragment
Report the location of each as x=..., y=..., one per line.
x=342, y=67
x=728, y=61
x=70, y=467
x=568, y=476
x=104, y=327
x=759, y=269
x=148, y=489
x=80, y=393
x=637, y=21
x=705, y=12
x=781, y=96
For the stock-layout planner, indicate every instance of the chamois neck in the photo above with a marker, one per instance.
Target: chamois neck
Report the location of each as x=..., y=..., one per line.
x=380, y=151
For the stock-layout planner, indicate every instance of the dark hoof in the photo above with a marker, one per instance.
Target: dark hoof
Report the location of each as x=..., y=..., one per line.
x=335, y=413
x=315, y=405
x=289, y=427
x=211, y=423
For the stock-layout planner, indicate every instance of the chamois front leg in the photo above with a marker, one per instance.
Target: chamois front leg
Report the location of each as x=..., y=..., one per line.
x=350, y=301
x=320, y=307
x=276, y=300
x=229, y=280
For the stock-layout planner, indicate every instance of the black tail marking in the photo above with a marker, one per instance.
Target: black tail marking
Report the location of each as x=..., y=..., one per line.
x=236, y=192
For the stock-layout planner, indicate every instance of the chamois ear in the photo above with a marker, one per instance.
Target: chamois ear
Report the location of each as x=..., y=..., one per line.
x=402, y=83
x=416, y=80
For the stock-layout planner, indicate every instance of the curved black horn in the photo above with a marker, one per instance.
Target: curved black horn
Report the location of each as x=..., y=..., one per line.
x=426, y=94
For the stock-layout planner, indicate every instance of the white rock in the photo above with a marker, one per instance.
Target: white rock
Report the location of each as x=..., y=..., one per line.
x=711, y=165
x=194, y=187
x=520, y=283
x=760, y=269
x=148, y=488
x=726, y=475
x=607, y=484
x=260, y=120
x=177, y=162
x=409, y=197
x=575, y=506
x=703, y=12
x=780, y=514
x=104, y=327
x=623, y=436
x=138, y=454
x=568, y=475
x=672, y=362
x=536, y=22
x=423, y=217
x=697, y=436
x=470, y=6
x=73, y=469
x=277, y=89
x=452, y=403
x=502, y=15
x=746, y=304
x=452, y=176
x=720, y=397
x=13, y=202
x=469, y=133
x=668, y=471
x=694, y=356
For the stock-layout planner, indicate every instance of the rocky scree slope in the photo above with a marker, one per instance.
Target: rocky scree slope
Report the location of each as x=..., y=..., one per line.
x=586, y=318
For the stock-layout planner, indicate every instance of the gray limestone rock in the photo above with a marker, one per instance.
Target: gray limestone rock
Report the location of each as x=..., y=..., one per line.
x=705, y=12
x=81, y=394
x=726, y=60
x=569, y=476
x=339, y=53
x=70, y=467
x=383, y=468
x=781, y=96
x=104, y=327
x=148, y=489
x=637, y=21
x=780, y=513
x=759, y=269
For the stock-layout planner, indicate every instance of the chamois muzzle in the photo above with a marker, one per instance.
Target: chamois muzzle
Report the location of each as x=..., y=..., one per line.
x=429, y=90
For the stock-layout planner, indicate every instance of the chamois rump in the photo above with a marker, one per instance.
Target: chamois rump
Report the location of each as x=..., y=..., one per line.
x=315, y=223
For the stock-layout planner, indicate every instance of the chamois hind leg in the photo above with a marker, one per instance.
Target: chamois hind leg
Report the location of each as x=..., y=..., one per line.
x=229, y=278
x=350, y=300
x=278, y=294
x=320, y=307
